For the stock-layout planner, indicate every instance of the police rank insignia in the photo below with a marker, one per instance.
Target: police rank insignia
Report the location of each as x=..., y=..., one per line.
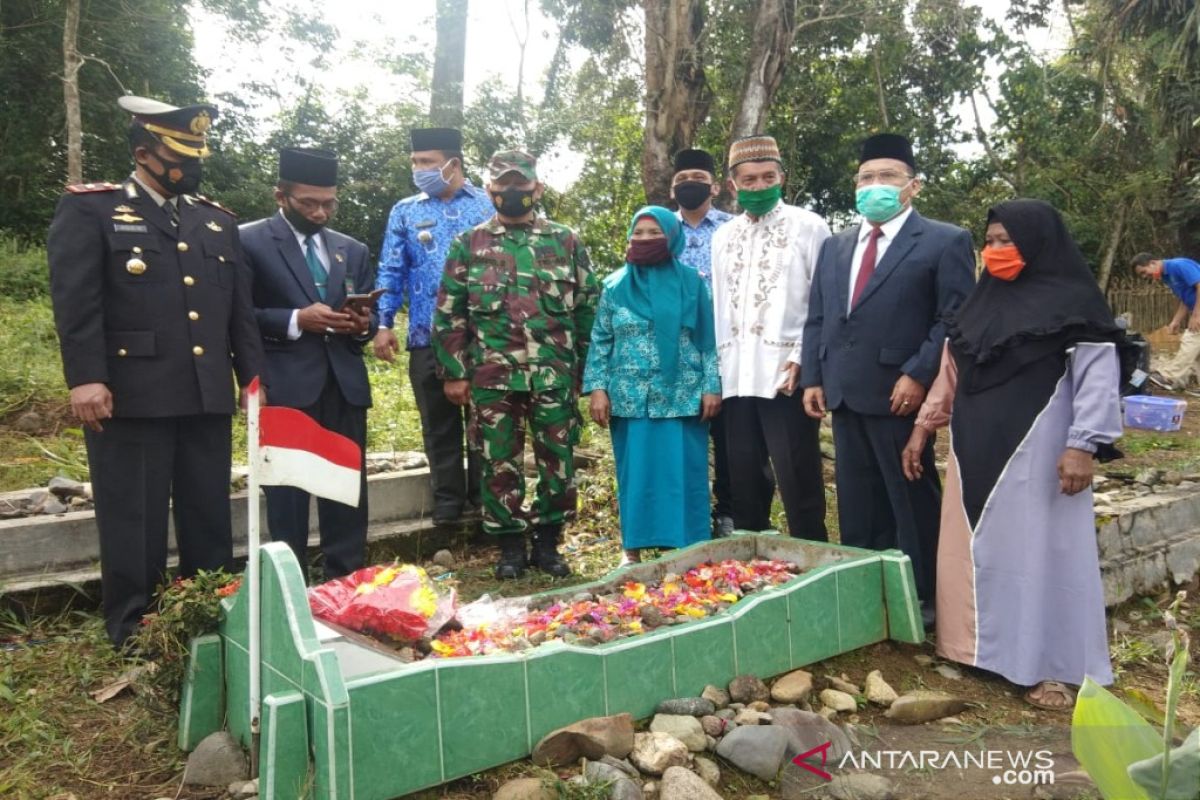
x=339, y=257
x=123, y=209
x=135, y=266
x=212, y=226
x=127, y=217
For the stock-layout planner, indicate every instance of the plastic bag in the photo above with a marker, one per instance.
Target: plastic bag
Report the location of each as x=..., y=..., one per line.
x=396, y=600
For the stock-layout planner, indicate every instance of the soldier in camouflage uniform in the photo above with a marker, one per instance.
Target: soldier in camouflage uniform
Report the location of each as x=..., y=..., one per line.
x=510, y=334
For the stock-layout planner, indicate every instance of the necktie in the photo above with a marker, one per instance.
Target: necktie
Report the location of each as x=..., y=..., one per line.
x=319, y=275
x=867, y=268
x=172, y=212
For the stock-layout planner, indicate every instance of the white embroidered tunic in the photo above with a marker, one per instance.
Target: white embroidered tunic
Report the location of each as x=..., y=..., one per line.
x=761, y=274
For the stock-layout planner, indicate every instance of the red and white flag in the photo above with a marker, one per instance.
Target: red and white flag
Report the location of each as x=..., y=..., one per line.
x=293, y=450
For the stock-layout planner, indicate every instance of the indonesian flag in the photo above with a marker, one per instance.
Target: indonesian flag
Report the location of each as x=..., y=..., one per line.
x=293, y=450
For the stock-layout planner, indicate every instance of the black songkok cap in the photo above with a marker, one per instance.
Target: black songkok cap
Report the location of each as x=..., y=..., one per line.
x=695, y=159
x=888, y=145
x=444, y=139
x=308, y=166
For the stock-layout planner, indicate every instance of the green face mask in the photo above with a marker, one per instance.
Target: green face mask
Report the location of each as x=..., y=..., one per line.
x=760, y=201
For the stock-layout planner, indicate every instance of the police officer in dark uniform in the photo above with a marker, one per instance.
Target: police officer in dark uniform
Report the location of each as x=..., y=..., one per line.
x=152, y=304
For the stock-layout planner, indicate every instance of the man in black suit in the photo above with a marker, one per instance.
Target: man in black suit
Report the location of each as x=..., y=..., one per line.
x=152, y=304
x=872, y=346
x=302, y=273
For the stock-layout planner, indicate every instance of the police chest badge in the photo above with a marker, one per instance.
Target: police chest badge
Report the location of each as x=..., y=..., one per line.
x=212, y=226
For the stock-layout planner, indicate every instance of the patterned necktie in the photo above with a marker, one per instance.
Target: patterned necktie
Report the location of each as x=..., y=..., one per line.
x=867, y=268
x=319, y=275
x=172, y=212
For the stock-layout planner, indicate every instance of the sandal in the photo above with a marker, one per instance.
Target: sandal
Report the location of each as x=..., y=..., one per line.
x=629, y=557
x=1051, y=687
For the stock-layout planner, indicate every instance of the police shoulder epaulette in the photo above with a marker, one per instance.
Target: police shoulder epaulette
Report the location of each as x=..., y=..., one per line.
x=85, y=188
x=208, y=201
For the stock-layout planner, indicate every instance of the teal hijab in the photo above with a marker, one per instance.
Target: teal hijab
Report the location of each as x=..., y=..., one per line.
x=670, y=295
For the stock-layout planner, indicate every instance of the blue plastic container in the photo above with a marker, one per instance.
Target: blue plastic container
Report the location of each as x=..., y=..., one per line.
x=1154, y=413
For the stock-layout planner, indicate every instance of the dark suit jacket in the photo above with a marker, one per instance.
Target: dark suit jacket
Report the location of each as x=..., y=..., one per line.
x=297, y=370
x=897, y=326
x=161, y=315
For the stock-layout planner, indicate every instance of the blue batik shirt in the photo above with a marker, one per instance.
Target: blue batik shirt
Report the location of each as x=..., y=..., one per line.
x=698, y=251
x=419, y=232
x=1181, y=275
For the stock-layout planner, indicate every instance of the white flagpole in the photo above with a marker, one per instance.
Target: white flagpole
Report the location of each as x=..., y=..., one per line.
x=252, y=578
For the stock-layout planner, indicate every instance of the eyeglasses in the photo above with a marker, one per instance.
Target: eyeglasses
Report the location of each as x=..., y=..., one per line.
x=310, y=206
x=882, y=176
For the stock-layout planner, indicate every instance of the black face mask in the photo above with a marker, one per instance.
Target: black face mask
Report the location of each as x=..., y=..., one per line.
x=692, y=194
x=190, y=171
x=513, y=202
x=300, y=222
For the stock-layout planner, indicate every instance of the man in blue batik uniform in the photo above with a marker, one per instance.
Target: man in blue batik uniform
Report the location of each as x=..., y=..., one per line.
x=419, y=232
x=693, y=188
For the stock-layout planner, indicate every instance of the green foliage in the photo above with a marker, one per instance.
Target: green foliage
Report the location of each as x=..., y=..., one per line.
x=31, y=370
x=23, y=273
x=1122, y=752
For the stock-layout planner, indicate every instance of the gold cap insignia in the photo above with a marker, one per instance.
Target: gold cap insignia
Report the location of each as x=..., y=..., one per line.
x=127, y=218
x=123, y=209
x=135, y=266
x=212, y=226
x=200, y=123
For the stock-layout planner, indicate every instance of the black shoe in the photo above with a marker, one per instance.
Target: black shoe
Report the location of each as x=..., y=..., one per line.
x=512, y=557
x=545, y=551
x=723, y=526
x=447, y=515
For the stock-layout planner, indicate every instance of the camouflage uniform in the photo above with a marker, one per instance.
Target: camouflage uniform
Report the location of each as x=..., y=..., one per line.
x=514, y=316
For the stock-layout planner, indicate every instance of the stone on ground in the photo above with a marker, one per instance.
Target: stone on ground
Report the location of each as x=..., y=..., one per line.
x=525, y=789
x=621, y=785
x=923, y=705
x=683, y=784
x=687, y=706
x=747, y=689
x=715, y=695
x=795, y=687
x=714, y=726
x=65, y=488
x=589, y=738
x=684, y=728
x=843, y=685
x=217, y=761
x=861, y=786
x=807, y=730
x=241, y=790
x=707, y=769
x=444, y=558
x=653, y=753
x=839, y=700
x=748, y=717
x=878, y=691
x=757, y=749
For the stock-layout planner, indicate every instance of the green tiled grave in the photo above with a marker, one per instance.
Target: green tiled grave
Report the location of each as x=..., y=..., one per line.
x=391, y=731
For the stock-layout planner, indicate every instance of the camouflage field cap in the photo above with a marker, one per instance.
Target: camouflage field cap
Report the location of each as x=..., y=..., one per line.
x=506, y=161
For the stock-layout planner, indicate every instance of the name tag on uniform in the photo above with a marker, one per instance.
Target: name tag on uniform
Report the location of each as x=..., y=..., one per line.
x=425, y=223
x=119, y=228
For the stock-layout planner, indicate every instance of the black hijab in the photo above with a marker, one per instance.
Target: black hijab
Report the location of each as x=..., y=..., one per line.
x=1009, y=340
x=1054, y=302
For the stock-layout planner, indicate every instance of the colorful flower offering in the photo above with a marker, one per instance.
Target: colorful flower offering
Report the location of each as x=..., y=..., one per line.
x=631, y=610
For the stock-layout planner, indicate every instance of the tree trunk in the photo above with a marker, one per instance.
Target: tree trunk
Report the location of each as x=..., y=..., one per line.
x=449, y=56
x=71, y=64
x=676, y=94
x=1106, y=264
x=771, y=40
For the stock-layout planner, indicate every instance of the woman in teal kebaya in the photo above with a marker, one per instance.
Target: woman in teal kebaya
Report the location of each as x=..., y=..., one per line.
x=652, y=372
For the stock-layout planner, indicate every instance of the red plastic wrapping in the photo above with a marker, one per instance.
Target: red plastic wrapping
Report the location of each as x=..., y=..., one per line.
x=397, y=600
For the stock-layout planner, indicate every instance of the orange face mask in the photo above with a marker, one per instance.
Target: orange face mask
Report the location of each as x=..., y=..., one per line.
x=1004, y=263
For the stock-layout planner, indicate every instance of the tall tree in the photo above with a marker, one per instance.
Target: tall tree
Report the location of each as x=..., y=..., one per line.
x=71, y=65
x=449, y=58
x=676, y=100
